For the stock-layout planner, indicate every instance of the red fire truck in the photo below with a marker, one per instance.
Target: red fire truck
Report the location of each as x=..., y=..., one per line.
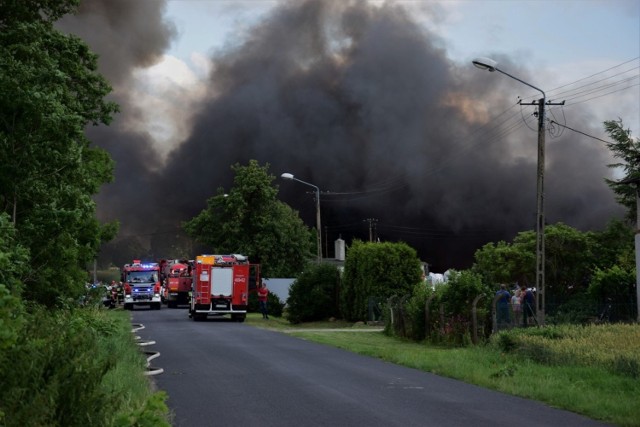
x=176, y=281
x=141, y=283
x=221, y=286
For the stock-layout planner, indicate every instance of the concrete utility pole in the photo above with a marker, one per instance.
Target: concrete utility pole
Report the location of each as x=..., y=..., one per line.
x=491, y=65
x=636, y=183
x=540, y=222
x=637, y=246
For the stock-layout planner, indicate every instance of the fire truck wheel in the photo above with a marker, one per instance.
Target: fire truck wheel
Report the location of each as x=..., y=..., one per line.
x=128, y=306
x=238, y=317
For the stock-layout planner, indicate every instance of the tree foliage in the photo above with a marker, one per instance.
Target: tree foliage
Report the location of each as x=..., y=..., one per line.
x=379, y=271
x=460, y=291
x=48, y=171
x=571, y=256
x=14, y=258
x=250, y=220
x=617, y=285
x=627, y=150
x=314, y=294
x=502, y=262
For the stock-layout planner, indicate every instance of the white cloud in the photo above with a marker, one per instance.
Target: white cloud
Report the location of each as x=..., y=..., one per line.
x=165, y=94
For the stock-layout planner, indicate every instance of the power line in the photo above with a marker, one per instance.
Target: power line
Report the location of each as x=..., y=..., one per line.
x=580, y=132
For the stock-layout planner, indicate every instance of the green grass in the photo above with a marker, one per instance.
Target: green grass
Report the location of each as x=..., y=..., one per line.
x=579, y=376
x=133, y=399
x=279, y=323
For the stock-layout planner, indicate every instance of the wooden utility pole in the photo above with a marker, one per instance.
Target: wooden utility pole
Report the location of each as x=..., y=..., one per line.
x=372, y=225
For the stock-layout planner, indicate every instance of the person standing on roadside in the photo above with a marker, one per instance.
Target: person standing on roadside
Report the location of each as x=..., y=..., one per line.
x=503, y=298
x=263, y=294
x=528, y=304
x=516, y=307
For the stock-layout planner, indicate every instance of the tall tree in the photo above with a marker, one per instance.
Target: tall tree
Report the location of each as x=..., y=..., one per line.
x=251, y=220
x=48, y=172
x=627, y=150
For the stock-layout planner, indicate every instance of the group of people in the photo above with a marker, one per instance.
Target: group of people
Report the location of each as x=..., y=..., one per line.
x=522, y=304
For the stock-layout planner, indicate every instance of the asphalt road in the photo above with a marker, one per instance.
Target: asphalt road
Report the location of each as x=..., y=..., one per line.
x=220, y=373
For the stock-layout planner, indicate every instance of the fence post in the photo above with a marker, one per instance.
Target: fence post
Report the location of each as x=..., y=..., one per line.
x=427, y=323
x=474, y=318
x=494, y=313
x=390, y=304
x=401, y=317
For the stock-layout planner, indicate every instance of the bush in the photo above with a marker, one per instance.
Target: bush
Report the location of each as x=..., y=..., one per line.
x=379, y=270
x=618, y=285
x=58, y=383
x=457, y=297
x=75, y=367
x=313, y=296
x=578, y=310
x=415, y=312
x=11, y=318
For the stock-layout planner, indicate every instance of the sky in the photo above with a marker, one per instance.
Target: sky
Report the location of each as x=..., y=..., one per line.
x=376, y=103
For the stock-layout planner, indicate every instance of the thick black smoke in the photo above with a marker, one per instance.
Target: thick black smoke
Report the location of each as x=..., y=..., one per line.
x=361, y=101
x=127, y=35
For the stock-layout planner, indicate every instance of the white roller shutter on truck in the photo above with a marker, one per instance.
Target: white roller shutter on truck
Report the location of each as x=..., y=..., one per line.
x=222, y=281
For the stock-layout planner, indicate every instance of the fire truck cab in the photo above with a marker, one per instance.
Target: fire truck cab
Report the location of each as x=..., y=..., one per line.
x=221, y=286
x=141, y=285
x=176, y=278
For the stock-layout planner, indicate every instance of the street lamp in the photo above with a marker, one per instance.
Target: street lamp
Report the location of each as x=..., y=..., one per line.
x=491, y=65
x=318, y=228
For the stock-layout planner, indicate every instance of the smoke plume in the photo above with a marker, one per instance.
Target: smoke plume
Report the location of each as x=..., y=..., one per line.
x=361, y=101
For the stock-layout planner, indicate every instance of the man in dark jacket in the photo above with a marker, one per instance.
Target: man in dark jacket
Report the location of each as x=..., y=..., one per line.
x=528, y=304
x=502, y=306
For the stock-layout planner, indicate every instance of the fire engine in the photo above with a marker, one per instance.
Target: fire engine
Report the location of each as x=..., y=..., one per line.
x=221, y=286
x=176, y=281
x=141, y=284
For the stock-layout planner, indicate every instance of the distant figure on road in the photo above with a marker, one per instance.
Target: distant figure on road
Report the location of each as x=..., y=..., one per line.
x=263, y=293
x=502, y=306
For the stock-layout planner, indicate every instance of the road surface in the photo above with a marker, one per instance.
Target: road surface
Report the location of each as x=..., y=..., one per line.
x=221, y=373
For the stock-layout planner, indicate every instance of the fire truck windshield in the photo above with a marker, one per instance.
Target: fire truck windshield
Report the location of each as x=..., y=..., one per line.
x=141, y=277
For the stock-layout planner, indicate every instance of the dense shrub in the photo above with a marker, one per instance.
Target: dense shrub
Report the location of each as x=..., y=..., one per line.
x=58, y=383
x=616, y=285
x=378, y=270
x=582, y=308
x=75, y=367
x=414, y=313
x=455, y=297
x=313, y=296
x=14, y=258
x=11, y=318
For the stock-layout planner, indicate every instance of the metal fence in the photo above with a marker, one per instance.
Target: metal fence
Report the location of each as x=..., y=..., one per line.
x=483, y=318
